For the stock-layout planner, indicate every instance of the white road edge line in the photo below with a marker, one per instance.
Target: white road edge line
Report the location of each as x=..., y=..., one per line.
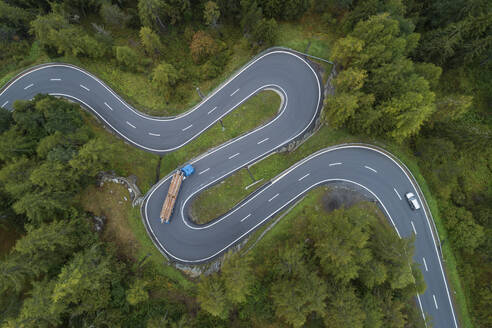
x=108, y=106
x=133, y=126
x=262, y=141
x=232, y=94
x=189, y=126
x=84, y=87
x=421, y=309
x=203, y=171
x=425, y=264
x=334, y=164
x=30, y=85
x=5, y=103
x=397, y=193
x=154, y=134
x=251, y=185
x=212, y=110
x=435, y=302
x=247, y=216
x=304, y=176
x=370, y=168
x=273, y=197
x=55, y=79
x=413, y=227
x=231, y=157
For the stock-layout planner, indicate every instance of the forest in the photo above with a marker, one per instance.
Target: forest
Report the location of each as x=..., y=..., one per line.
x=413, y=75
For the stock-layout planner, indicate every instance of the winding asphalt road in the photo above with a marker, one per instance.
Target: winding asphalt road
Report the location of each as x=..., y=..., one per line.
x=300, y=89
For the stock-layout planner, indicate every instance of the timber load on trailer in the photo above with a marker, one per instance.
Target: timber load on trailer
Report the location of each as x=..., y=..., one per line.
x=172, y=194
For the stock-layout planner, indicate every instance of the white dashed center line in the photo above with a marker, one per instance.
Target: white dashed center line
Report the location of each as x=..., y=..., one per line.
x=397, y=193
x=212, y=110
x=413, y=227
x=232, y=94
x=154, y=134
x=5, y=103
x=203, y=171
x=273, y=198
x=435, y=302
x=30, y=85
x=133, y=126
x=108, y=106
x=55, y=79
x=262, y=141
x=247, y=216
x=334, y=164
x=84, y=87
x=304, y=176
x=231, y=157
x=425, y=264
x=189, y=126
x=370, y=168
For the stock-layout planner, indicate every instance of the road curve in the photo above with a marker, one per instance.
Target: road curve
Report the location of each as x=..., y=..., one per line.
x=300, y=88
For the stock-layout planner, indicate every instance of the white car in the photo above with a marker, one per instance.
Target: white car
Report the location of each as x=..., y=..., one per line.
x=412, y=200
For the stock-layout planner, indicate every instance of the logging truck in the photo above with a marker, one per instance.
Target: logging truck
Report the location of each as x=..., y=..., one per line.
x=172, y=193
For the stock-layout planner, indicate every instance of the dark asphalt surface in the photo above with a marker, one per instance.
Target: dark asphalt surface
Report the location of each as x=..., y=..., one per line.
x=300, y=87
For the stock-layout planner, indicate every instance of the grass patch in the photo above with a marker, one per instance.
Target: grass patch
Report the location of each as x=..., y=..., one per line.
x=112, y=201
x=218, y=199
x=310, y=35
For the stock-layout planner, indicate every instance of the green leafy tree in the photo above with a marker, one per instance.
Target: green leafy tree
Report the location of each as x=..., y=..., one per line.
x=340, y=243
x=238, y=277
x=15, y=177
x=211, y=13
x=212, y=296
x=15, y=272
x=130, y=58
x=59, y=115
x=6, y=119
x=149, y=12
x=53, y=31
x=14, y=18
x=465, y=233
x=297, y=292
x=344, y=309
x=394, y=100
x=84, y=284
x=251, y=15
x=138, y=292
x=43, y=206
x=164, y=77
x=451, y=107
x=265, y=32
x=47, y=246
x=93, y=157
x=113, y=15
x=157, y=13
x=38, y=309
x=150, y=42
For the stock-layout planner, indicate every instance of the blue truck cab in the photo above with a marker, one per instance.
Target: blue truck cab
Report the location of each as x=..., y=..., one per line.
x=188, y=170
